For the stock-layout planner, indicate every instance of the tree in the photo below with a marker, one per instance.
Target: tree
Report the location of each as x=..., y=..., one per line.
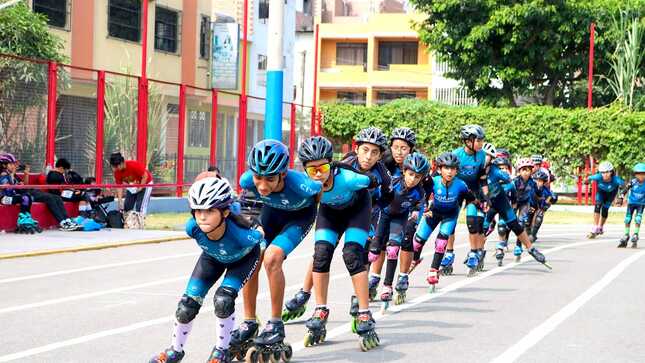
x=504, y=49
x=23, y=84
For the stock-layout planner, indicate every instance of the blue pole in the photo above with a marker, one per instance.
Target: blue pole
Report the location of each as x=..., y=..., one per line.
x=273, y=105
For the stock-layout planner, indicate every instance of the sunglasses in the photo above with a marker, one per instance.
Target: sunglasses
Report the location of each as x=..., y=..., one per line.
x=313, y=170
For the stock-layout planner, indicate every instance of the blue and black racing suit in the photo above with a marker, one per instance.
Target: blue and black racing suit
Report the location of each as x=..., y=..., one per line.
x=472, y=170
x=635, y=203
x=606, y=193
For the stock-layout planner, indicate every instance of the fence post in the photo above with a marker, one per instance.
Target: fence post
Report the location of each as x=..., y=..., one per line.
x=212, y=160
x=52, y=81
x=181, y=137
x=587, y=185
x=292, y=135
x=594, y=186
x=100, y=125
x=319, y=117
x=241, y=149
x=579, y=196
x=142, y=121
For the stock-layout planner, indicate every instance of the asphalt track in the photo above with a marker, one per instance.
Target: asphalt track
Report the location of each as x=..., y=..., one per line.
x=117, y=305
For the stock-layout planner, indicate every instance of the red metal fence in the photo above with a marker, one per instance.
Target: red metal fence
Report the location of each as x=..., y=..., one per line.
x=50, y=110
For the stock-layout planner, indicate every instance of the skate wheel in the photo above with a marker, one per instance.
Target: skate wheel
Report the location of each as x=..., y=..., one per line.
x=251, y=356
x=286, y=354
x=322, y=337
x=354, y=324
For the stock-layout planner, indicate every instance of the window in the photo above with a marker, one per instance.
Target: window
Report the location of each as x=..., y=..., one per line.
x=353, y=98
x=351, y=54
x=205, y=37
x=387, y=96
x=55, y=10
x=262, y=62
x=263, y=12
x=166, y=30
x=198, y=128
x=124, y=19
x=397, y=53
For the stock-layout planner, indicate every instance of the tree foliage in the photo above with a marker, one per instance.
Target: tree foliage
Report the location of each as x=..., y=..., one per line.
x=565, y=136
x=502, y=49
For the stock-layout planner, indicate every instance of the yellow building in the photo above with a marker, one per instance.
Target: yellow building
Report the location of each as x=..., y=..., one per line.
x=370, y=54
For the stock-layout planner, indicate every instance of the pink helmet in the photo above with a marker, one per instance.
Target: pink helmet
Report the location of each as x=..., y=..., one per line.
x=7, y=158
x=524, y=162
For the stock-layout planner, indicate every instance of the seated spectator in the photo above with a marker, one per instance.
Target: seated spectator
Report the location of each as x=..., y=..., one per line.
x=63, y=174
x=131, y=172
x=8, y=168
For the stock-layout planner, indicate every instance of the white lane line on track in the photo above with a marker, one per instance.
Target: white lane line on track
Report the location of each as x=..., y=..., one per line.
x=143, y=324
x=542, y=330
x=337, y=331
x=346, y=328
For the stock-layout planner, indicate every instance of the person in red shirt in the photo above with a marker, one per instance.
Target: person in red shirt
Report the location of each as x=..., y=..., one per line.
x=131, y=172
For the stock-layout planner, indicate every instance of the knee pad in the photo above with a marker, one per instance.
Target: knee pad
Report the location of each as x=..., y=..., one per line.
x=502, y=228
x=604, y=212
x=323, y=253
x=638, y=219
x=515, y=226
x=392, y=252
x=224, y=302
x=471, y=222
x=628, y=217
x=440, y=244
x=353, y=257
x=597, y=208
x=187, y=309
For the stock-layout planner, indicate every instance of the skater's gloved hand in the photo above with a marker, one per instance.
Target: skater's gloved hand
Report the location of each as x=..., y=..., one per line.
x=371, y=256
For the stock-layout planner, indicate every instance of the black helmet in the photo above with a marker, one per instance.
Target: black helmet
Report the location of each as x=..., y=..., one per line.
x=502, y=161
x=116, y=159
x=372, y=135
x=448, y=159
x=540, y=175
x=472, y=132
x=315, y=148
x=404, y=133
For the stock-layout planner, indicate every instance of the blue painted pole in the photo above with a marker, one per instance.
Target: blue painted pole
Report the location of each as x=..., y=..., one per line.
x=275, y=74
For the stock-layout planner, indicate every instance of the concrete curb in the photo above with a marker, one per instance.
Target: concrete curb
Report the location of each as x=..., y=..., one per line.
x=99, y=246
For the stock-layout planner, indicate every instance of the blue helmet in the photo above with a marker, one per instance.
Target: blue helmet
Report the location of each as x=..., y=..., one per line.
x=268, y=157
x=639, y=168
x=416, y=162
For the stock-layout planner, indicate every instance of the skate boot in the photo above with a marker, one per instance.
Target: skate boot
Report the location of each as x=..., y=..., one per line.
x=499, y=253
x=601, y=230
x=316, y=327
x=595, y=231
x=270, y=345
x=168, y=356
x=353, y=311
x=623, y=241
x=242, y=338
x=295, y=307
x=401, y=289
x=386, y=297
x=433, y=279
x=446, y=263
x=414, y=264
x=373, y=285
x=366, y=330
x=26, y=224
x=219, y=356
x=635, y=241
x=532, y=238
x=472, y=262
x=517, y=252
x=481, y=254
x=538, y=256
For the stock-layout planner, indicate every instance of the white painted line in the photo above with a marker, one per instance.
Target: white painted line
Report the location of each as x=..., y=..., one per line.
x=542, y=330
x=346, y=328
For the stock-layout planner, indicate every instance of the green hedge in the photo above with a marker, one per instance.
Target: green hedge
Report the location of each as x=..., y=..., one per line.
x=565, y=136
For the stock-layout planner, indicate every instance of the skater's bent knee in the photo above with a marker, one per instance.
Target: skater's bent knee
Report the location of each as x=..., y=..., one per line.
x=224, y=302
x=515, y=226
x=352, y=256
x=323, y=253
x=273, y=260
x=187, y=309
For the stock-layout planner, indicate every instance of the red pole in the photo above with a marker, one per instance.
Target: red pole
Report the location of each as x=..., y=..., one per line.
x=586, y=186
x=50, y=150
x=144, y=38
x=241, y=151
x=315, y=96
x=181, y=137
x=579, y=186
x=292, y=135
x=212, y=160
x=592, y=30
x=100, y=124
x=319, y=116
x=594, y=186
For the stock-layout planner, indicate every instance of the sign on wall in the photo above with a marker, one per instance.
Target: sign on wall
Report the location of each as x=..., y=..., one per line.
x=224, y=63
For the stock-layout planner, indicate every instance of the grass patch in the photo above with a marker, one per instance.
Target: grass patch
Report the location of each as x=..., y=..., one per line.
x=167, y=221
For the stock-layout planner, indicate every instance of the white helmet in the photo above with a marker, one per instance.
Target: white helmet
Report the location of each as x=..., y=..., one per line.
x=489, y=149
x=209, y=193
x=605, y=166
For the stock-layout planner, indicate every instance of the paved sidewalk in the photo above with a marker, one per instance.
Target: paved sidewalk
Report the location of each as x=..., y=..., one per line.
x=53, y=241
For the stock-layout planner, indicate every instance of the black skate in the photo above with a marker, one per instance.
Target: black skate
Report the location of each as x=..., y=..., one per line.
x=270, y=345
x=316, y=327
x=623, y=241
x=539, y=257
x=353, y=311
x=168, y=356
x=401, y=290
x=295, y=307
x=242, y=338
x=219, y=356
x=365, y=329
x=635, y=241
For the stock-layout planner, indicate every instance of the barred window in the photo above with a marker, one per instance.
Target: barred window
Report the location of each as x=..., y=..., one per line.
x=205, y=37
x=124, y=19
x=166, y=29
x=55, y=10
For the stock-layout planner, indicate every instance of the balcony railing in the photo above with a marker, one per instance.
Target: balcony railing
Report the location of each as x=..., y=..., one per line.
x=363, y=8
